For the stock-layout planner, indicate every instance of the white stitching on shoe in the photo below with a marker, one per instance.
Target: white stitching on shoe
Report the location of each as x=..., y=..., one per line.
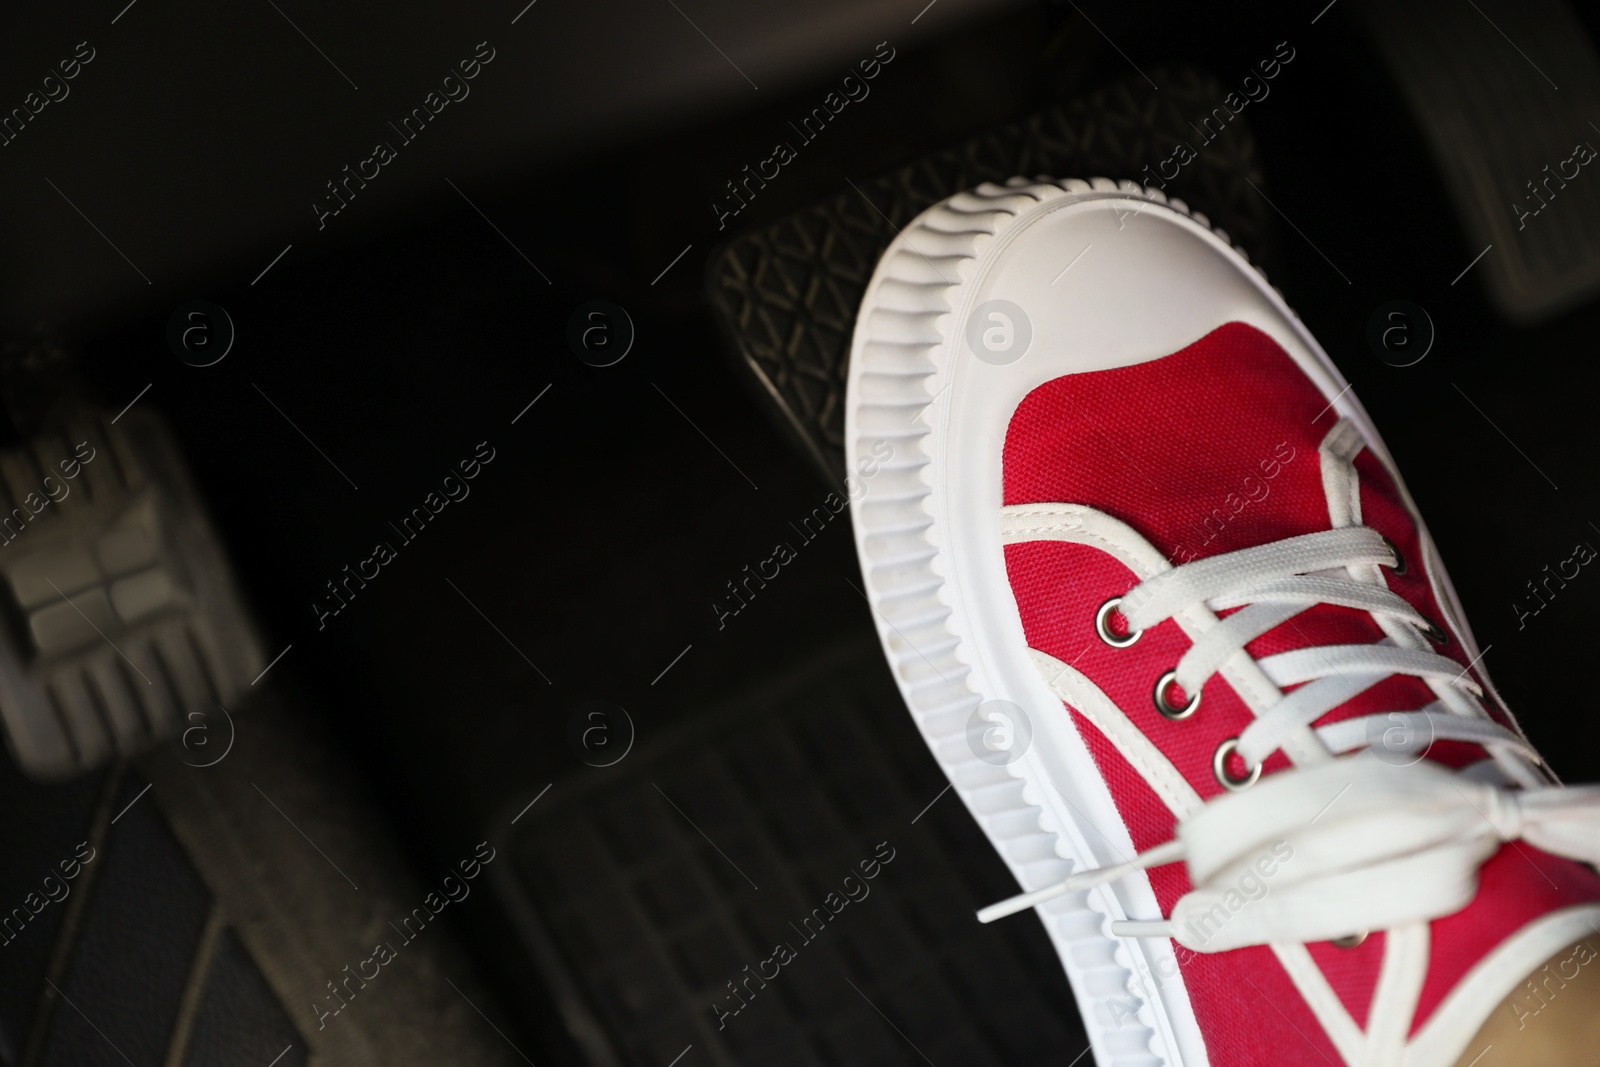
x=1141, y=753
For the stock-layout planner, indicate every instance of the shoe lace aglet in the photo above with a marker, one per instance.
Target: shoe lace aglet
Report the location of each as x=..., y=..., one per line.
x=1155, y=857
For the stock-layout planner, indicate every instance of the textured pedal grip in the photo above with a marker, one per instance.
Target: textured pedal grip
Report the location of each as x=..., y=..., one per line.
x=119, y=616
x=786, y=294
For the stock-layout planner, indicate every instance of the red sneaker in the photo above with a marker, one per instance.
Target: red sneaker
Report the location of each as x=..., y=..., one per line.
x=1161, y=605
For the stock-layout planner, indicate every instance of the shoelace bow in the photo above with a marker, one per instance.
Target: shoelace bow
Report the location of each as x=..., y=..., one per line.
x=1375, y=844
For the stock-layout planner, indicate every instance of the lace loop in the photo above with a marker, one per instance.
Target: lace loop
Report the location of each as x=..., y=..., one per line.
x=1159, y=598
x=1353, y=844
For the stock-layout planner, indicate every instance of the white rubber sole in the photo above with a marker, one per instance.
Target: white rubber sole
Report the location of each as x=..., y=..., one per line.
x=1110, y=274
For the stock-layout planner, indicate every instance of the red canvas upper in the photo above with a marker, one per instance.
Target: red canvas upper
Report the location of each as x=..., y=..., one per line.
x=1209, y=450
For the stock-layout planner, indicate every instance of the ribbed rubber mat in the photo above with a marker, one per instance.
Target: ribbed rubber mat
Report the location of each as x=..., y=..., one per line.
x=47, y=824
x=237, y=1010
x=135, y=946
x=786, y=295
x=173, y=914
x=116, y=952
x=785, y=883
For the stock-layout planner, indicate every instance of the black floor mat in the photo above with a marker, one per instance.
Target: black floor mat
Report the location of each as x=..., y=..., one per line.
x=784, y=882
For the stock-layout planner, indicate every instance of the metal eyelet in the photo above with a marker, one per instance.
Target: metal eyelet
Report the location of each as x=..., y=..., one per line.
x=1165, y=707
x=1399, y=567
x=1434, y=632
x=1349, y=940
x=1219, y=767
x=1102, y=626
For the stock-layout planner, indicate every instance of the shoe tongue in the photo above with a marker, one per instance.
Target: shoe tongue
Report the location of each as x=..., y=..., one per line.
x=1206, y=451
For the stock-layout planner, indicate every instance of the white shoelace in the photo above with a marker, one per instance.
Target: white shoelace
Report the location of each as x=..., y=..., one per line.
x=1375, y=844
